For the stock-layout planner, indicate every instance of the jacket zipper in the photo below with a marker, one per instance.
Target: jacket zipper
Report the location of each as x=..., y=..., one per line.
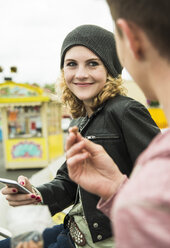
x=82, y=128
x=93, y=137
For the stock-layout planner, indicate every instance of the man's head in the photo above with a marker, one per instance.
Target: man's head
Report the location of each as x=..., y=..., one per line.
x=152, y=16
x=143, y=38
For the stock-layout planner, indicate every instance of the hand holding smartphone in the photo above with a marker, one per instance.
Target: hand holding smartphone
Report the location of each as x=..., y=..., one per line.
x=14, y=184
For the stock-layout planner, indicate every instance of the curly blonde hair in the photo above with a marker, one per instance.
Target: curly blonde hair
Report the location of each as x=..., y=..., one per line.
x=77, y=109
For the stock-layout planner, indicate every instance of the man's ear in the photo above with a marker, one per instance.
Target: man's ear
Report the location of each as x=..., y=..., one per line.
x=132, y=36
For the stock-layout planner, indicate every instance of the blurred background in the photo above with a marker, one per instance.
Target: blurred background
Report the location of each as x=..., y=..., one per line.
x=32, y=32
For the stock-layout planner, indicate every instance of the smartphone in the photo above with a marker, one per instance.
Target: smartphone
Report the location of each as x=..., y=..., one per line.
x=14, y=184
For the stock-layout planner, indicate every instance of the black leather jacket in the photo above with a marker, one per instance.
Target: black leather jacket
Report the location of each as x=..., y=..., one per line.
x=124, y=128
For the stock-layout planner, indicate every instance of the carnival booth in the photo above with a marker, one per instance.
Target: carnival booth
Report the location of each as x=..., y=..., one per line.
x=157, y=114
x=31, y=126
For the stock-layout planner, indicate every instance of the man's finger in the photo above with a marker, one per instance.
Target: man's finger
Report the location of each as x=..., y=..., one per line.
x=73, y=129
x=77, y=159
x=75, y=148
x=71, y=139
x=91, y=147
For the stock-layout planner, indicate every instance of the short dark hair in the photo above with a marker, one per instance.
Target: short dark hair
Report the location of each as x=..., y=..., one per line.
x=153, y=16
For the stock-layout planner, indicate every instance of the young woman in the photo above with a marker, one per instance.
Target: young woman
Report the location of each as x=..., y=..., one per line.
x=92, y=88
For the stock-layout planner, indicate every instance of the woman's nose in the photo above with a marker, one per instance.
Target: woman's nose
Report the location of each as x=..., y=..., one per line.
x=81, y=72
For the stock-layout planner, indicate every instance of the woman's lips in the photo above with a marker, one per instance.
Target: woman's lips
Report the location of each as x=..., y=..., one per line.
x=83, y=84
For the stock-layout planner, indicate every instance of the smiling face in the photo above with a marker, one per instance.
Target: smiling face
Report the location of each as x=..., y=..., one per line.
x=84, y=73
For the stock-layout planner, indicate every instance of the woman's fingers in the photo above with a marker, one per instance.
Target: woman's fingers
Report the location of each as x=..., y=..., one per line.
x=7, y=190
x=18, y=199
x=24, y=181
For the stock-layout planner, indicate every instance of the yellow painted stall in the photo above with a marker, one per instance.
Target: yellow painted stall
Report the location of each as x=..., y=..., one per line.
x=157, y=114
x=159, y=117
x=31, y=126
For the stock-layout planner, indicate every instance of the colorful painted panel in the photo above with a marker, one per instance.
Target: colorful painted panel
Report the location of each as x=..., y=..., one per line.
x=26, y=149
x=33, y=149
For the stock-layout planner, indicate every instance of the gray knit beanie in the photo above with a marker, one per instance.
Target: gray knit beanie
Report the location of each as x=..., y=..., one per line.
x=99, y=40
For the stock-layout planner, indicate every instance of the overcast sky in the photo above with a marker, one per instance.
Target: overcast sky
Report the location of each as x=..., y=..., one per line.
x=32, y=31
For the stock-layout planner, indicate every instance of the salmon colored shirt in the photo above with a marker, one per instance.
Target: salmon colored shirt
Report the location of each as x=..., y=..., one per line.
x=140, y=212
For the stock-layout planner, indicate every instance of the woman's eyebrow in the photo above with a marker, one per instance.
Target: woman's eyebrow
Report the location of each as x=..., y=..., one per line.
x=70, y=60
x=96, y=59
x=88, y=60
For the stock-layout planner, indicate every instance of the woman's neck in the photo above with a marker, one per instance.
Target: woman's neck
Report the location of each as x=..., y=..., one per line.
x=89, y=111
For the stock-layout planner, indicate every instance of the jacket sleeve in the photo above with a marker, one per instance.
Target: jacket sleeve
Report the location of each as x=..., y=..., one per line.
x=60, y=193
x=138, y=128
